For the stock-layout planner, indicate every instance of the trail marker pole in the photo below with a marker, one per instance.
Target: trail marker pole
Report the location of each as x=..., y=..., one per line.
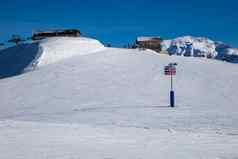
x=170, y=70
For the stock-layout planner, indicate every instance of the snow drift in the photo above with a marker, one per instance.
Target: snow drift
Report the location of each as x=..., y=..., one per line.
x=200, y=47
x=25, y=57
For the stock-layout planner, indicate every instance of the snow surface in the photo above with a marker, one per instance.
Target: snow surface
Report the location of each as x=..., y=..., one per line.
x=56, y=49
x=232, y=51
x=26, y=57
x=114, y=104
x=27, y=140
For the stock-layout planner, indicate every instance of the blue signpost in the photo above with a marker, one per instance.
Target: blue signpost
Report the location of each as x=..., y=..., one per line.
x=170, y=70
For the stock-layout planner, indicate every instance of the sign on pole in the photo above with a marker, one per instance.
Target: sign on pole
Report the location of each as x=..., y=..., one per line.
x=170, y=70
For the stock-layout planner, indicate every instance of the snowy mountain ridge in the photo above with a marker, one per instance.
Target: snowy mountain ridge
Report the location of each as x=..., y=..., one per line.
x=25, y=57
x=200, y=47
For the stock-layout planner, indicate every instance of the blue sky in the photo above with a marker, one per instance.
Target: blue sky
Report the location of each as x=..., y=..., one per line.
x=121, y=21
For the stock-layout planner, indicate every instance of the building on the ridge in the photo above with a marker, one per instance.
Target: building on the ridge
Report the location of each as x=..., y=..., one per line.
x=39, y=35
x=153, y=43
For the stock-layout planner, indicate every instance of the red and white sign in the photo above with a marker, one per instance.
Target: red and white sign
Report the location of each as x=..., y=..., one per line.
x=169, y=70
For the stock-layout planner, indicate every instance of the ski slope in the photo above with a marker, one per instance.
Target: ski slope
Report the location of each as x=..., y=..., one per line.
x=113, y=103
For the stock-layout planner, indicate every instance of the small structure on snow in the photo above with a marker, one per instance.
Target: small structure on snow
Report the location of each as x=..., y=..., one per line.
x=153, y=43
x=39, y=35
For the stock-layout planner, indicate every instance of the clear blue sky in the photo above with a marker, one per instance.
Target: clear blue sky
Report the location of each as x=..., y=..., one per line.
x=121, y=21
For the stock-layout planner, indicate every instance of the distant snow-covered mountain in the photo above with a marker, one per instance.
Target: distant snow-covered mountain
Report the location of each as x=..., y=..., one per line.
x=200, y=47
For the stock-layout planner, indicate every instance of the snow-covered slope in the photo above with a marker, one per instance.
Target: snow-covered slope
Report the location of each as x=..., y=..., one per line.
x=56, y=49
x=114, y=104
x=200, y=47
x=117, y=77
x=25, y=57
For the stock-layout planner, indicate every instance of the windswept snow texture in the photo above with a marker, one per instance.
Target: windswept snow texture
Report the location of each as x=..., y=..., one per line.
x=113, y=104
x=200, y=47
x=25, y=57
x=56, y=49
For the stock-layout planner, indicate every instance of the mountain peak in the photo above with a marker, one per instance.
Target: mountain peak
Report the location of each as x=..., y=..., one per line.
x=200, y=47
